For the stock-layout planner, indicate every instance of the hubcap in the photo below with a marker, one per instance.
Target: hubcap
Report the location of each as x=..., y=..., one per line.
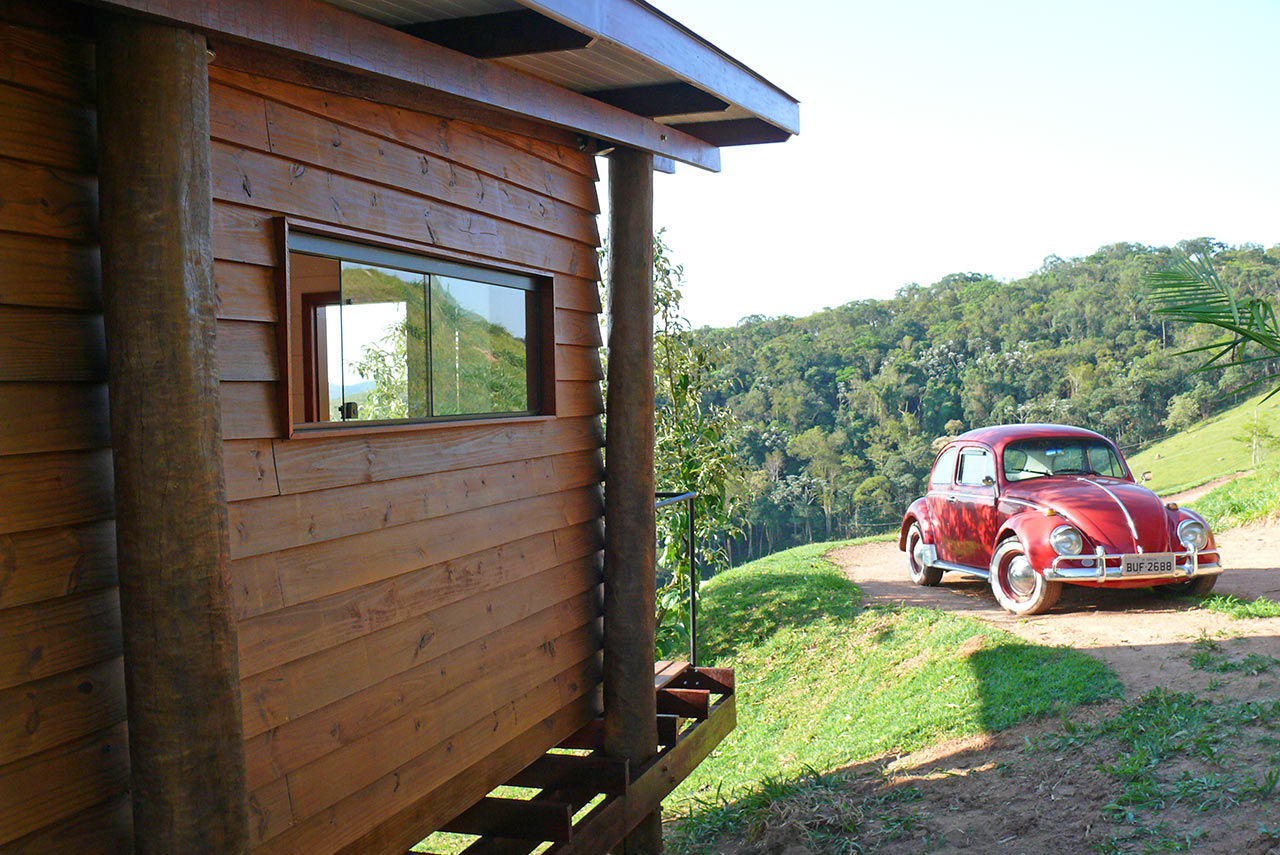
x=918, y=555
x=1021, y=576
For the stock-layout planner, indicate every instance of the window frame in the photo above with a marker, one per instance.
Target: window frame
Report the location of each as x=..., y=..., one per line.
x=344, y=245
x=975, y=451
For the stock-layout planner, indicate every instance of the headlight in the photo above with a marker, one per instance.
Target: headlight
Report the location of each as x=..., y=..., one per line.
x=1193, y=535
x=1065, y=540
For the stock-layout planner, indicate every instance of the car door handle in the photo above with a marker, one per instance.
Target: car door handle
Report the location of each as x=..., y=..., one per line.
x=953, y=498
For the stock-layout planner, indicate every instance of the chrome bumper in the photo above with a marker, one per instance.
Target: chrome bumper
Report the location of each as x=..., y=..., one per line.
x=1187, y=565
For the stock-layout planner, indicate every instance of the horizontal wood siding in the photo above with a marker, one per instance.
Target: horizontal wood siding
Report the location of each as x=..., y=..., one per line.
x=63, y=753
x=417, y=607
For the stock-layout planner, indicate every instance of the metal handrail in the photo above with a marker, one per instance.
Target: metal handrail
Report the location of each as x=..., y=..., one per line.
x=662, y=500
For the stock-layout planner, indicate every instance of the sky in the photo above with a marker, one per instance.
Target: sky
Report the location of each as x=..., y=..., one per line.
x=983, y=136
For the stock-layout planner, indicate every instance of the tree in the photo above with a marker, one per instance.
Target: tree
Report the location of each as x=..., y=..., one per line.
x=1257, y=436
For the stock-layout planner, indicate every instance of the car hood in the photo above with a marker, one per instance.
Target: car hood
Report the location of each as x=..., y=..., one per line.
x=1098, y=506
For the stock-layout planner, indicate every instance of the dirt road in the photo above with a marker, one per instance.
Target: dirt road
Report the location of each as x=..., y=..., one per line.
x=999, y=794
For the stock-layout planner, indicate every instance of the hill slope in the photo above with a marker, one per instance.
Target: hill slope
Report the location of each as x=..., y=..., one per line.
x=1206, y=451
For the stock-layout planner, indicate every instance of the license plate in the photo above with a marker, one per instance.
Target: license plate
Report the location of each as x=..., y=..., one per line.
x=1147, y=563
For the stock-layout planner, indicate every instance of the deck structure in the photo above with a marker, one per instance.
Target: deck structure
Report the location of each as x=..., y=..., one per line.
x=269, y=582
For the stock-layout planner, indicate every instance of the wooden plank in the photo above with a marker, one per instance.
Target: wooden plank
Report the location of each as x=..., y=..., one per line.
x=104, y=829
x=335, y=775
x=685, y=703
x=250, y=468
x=44, y=714
x=607, y=824
x=362, y=811
x=459, y=142
x=246, y=292
x=578, y=363
x=250, y=411
x=580, y=328
x=408, y=825
x=39, y=271
x=523, y=819
x=245, y=234
x=41, y=200
x=305, y=465
x=277, y=638
x=316, y=141
x=247, y=351
x=57, y=784
x=284, y=522
x=246, y=177
x=572, y=158
x=318, y=570
x=53, y=417
x=555, y=632
x=55, y=488
x=46, y=131
x=44, y=639
x=579, y=398
x=574, y=292
x=300, y=687
x=56, y=562
x=594, y=772
x=237, y=116
x=47, y=62
x=51, y=345
x=665, y=671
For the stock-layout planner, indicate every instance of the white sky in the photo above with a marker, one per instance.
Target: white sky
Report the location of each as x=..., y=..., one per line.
x=939, y=137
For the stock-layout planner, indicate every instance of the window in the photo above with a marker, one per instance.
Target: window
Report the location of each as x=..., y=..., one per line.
x=976, y=465
x=382, y=335
x=944, y=469
x=1040, y=458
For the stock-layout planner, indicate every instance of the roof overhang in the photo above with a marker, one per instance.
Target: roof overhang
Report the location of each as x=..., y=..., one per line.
x=610, y=70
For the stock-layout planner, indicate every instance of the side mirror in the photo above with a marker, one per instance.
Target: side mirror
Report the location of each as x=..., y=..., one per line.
x=1146, y=476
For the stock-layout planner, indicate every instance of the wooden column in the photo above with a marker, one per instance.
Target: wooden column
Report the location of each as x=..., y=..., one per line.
x=181, y=674
x=630, y=708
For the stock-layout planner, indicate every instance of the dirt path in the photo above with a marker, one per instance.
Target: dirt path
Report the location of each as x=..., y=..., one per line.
x=1009, y=793
x=1204, y=489
x=1138, y=632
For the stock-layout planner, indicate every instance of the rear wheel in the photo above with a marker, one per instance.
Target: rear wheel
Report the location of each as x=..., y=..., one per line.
x=920, y=572
x=1016, y=584
x=1200, y=586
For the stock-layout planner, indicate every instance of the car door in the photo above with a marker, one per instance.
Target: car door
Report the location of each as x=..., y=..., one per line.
x=939, y=499
x=973, y=506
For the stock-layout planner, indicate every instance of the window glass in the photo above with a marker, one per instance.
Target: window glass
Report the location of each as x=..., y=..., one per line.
x=478, y=355
x=1041, y=458
x=385, y=336
x=944, y=469
x=976, y=464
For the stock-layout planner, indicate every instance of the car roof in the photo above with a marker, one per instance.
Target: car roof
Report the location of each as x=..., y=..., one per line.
x=997, y=436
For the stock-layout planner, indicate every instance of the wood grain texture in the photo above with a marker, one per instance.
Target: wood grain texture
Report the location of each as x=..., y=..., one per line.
x=42, y=200
x=47, y=62
x=50, y=712
x=574, y=362
x=53, y=417
x=45, y=131
x=51, y=345
x=38, y=271
x=103, y=829
x=250, y=411
x=246, y=292
x=58, y=488
x=47, y=638
x=250, y=468
x=55, y=562
x=577, y=328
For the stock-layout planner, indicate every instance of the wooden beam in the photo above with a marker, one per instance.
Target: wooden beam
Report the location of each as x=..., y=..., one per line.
x=311, y=29
x=500, y=34
x=182, y=679
x=661, y=99
x=606, y=825
x=630, y=707
x=686, y=703
x=522, y=819
x=728, y=132
x=595, y=772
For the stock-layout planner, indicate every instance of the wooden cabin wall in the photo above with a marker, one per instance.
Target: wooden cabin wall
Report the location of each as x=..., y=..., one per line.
x=418, y=610
x=63, y=753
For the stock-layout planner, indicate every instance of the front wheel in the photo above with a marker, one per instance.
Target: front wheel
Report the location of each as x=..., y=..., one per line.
x=1016, y=584
x=1200, y=586
x=920, y=573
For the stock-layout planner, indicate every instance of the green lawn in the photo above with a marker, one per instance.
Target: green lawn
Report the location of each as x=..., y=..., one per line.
x=1206, y=451
x=825, y=680
x=1248, y=499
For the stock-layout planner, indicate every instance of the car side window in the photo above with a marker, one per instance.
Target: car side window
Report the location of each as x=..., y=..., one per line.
x=944, y=469
x=976, y=466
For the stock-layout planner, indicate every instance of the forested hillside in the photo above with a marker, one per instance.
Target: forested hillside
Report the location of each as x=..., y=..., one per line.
x=840, y=409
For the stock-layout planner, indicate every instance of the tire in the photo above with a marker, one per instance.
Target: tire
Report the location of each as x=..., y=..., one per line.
x=920, y=574
x=1018, y=588
x=1200, y=586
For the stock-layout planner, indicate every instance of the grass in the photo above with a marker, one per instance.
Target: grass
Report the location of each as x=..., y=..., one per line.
x=826, y=680
x=1204, y=452
x=1234, y=607
x=1248, y=499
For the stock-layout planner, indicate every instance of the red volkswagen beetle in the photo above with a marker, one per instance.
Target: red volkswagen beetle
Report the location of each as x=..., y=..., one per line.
x=1031, y=507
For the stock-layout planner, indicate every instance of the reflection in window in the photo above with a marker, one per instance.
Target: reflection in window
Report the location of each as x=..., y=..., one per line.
x=976, y=466
x=381, y=342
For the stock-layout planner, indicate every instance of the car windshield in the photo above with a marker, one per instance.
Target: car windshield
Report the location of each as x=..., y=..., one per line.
x=1040, y=458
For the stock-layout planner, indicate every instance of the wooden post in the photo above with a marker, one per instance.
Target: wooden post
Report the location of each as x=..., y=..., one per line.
x=181, y=673
x=630, y=706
